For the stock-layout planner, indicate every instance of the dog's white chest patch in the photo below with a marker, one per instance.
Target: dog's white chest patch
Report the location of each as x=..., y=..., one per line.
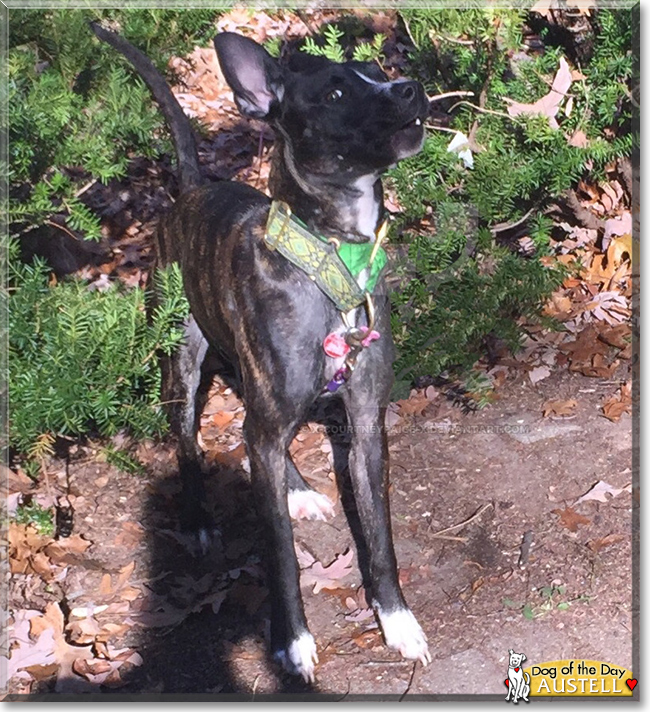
x=367, y=207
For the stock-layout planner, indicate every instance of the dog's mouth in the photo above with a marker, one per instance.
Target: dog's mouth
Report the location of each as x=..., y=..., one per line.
x=417, y=121
x=408, y=139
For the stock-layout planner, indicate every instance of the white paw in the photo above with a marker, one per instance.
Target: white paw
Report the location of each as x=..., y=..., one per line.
x=403, y=633
x=300, y=657
x=309, y=504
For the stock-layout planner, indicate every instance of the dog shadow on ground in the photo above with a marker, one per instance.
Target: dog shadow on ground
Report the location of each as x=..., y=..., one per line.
x=220, y=655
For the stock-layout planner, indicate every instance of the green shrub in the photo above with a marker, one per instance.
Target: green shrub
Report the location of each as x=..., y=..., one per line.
x=40, y=518
x=77, y=111
x=445, y=309
x=84, y=361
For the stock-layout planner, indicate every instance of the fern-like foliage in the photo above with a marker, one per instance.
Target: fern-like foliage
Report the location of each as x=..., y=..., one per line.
x=76, y=110
x=84, y=361
x=447, y=306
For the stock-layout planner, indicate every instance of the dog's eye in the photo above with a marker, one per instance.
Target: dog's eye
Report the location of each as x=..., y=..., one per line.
x=334, y=95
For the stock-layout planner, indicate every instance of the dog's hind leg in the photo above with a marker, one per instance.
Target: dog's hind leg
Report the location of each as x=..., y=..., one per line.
x=304, y=501
x=181, y=381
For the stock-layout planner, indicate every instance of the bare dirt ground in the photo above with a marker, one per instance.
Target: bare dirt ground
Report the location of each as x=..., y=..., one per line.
x=467, y=492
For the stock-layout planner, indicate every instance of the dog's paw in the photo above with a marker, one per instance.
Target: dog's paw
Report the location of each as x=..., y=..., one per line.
x=299, y=657
x=403, y=633
x=309, y=504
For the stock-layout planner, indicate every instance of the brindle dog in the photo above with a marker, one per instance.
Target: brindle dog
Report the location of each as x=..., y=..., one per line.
x=338, y=128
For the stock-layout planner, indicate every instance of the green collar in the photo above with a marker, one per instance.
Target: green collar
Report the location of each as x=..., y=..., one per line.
x=334, y=265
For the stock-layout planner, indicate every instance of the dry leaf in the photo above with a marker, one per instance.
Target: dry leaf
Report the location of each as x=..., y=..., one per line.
x=570, y=519
x=538, y=373
x=328, y=577
x=130, y=593
x=559, y=408
x=579, y=138
x=613, y=409
x=600, y=491
x=74, y=544
x=598, y=544
x=305, y=559
x=368, y=639
x=124, y=575
x=222, y=418
x=131, y=535
x=549, y=104
x=618, y=336
x=106, y=587
x=620, y=249
x=415, y=405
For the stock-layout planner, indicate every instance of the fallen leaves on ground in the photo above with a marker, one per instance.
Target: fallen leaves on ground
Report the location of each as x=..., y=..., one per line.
x=34, y=553
x=602, y=492
x=39, y=649
x=597, y=544
x=570, y=519
x=358, y=606
x=327, y=577
x=590, y=355
x=559, y=408
x=621, y=402
x=539, y=373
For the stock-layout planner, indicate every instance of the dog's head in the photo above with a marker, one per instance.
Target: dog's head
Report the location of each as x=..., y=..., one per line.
x=516, y=658
x=339, y=121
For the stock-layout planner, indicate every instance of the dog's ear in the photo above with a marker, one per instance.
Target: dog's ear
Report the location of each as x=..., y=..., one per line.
x=253, y=75
x=511, y=651
x=523, y=657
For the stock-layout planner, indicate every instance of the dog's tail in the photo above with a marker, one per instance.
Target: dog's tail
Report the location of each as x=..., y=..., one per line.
x=179, y=125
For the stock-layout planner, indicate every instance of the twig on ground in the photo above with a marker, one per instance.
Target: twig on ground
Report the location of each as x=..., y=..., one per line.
x=86, y=187
x=51, y=223
x=462, y=539
x=408, y=687
x=478, y=108
x=503, y=227
x=584, y=216
x=455, y=40
x=446, y=95
x=526, y=543
x=441, y=128
x=474, y=516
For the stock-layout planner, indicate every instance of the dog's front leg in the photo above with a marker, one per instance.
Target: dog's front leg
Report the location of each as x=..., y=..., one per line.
x=292, y=644
x=369, y=474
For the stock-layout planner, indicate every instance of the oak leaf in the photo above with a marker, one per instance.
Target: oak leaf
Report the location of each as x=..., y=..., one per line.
x=328, y=577
x=559, y=408
x=570, y=519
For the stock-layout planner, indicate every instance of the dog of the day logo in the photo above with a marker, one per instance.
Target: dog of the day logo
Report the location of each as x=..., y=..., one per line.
x=567, y=678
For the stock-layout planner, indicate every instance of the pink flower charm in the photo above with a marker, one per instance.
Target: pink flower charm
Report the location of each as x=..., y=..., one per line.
x=372, y=336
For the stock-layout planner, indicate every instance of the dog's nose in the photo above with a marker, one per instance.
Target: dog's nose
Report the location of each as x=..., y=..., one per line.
x=407, y=91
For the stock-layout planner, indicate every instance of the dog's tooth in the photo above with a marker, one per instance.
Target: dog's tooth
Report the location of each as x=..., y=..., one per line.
x=418, y=122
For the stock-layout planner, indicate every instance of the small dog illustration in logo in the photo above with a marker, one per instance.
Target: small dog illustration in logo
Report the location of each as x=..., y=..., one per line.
x=518, y=681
